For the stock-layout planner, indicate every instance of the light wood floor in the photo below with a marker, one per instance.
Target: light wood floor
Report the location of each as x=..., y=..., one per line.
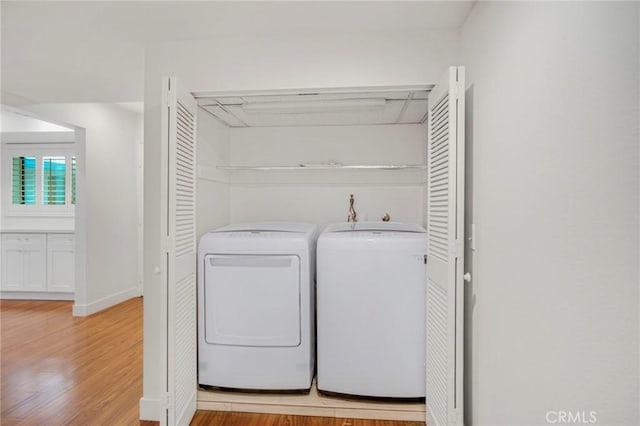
x=56, y=369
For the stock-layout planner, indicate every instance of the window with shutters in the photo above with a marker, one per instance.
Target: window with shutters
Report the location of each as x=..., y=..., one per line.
x=41, y=179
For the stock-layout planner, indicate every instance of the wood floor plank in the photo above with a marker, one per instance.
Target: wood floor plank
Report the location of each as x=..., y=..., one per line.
x=60, y=369
x=57, y=369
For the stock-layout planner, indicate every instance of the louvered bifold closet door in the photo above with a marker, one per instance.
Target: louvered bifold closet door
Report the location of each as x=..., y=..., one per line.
x=445, y=222
x=179, y=159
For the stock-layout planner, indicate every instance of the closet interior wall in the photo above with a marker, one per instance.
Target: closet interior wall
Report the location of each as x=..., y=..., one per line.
x=212, y=185
x=316, y=196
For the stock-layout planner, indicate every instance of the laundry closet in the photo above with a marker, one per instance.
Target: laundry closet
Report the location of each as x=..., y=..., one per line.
x=301, y=156
x=287, y=154
x=316, y=156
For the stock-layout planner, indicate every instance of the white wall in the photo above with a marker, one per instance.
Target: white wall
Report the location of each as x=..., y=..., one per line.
x=322, y=196
x=553, y=310
x=212, y=192
x=112, y=135
x=299, y=61
x=256, y=62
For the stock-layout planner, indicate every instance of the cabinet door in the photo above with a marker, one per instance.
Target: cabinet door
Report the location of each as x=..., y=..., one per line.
x=35, y=261
x=12, y=263
x=60, y=263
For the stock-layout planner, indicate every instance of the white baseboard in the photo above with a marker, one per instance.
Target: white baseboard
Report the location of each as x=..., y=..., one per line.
x=35, y=295
x=150, y=409
x=104, y=303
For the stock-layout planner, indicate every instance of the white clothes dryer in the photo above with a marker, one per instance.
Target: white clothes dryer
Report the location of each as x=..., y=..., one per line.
x=371, y=289
x=256, y=306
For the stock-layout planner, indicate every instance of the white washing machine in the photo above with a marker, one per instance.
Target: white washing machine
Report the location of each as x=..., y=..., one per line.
x=255, y=306
x=371, y=289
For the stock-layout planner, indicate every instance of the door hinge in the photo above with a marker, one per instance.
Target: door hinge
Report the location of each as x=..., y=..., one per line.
x=166, y=244
x=458, y=250
x=460, y=91
x=426, y=259
x=167, y=400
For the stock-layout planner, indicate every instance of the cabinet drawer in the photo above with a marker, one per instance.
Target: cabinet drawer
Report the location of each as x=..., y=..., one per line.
x=34, y=242
x=12, y=242
x=64, y=241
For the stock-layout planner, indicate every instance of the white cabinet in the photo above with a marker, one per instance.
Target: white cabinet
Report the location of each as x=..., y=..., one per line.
x=38, y=263
x=12, y=264
x=60, y=263
x=24, y=262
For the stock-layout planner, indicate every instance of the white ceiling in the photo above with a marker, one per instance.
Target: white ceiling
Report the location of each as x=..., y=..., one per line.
x=94, y=51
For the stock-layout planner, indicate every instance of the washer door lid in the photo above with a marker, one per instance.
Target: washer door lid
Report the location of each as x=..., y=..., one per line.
x=252, y=300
